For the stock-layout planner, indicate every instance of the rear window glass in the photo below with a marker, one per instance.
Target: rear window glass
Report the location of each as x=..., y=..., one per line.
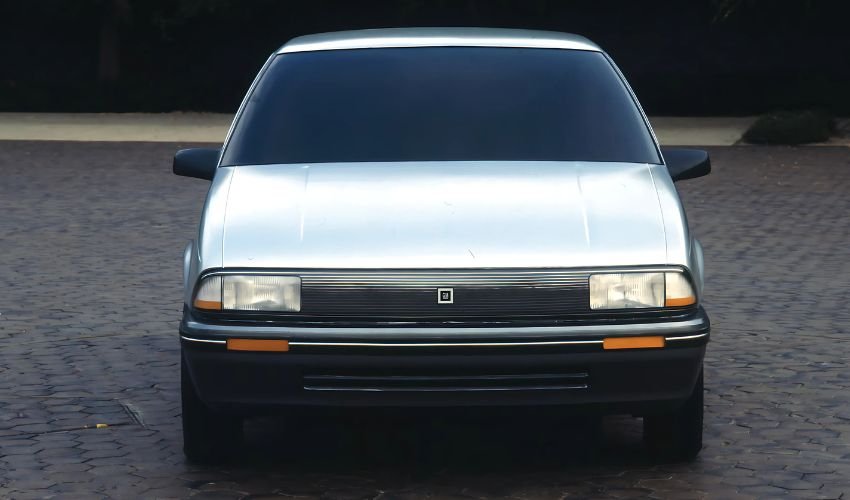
x=439, y=104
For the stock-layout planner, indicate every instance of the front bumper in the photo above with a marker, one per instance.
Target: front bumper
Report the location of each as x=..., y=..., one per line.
x=447, y=366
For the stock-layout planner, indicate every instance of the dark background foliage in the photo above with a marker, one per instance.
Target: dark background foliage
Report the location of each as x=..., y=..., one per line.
x=682, y=56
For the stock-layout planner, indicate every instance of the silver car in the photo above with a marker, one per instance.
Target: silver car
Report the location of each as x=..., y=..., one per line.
x=442, y=217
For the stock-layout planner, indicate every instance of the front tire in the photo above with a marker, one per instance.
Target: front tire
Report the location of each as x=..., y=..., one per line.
x=677, y=435
x=209, y=437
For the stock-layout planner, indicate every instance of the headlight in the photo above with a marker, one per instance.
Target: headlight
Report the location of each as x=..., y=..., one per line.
x=640, y=290
x=249, y=293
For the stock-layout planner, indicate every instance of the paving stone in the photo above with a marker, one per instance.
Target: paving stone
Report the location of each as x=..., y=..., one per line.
x=71, y=467
x=819, y=494
x=57, y=452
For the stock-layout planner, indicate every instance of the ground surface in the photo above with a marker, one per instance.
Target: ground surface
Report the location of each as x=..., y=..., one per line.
x=90, y=247
x=212, y=127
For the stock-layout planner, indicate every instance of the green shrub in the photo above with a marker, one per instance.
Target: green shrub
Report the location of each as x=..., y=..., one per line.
x=791, y=127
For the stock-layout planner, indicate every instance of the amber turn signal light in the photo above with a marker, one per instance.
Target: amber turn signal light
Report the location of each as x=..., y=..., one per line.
x=257, y=345
x=680, y=301
x=632, y=342
x=210, y=305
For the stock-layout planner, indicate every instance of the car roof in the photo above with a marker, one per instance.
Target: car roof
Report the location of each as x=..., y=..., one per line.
x=438, y=37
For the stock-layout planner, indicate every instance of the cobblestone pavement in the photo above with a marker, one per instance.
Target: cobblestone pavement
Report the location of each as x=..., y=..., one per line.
x=91, y=236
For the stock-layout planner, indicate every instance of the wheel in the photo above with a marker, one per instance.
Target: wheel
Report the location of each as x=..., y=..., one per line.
x=677, y=435
x=208, y=437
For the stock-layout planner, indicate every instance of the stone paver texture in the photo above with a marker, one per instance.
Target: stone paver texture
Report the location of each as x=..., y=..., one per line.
x=91, y=238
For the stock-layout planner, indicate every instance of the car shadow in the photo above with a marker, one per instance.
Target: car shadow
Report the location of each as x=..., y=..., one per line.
x=422, y=442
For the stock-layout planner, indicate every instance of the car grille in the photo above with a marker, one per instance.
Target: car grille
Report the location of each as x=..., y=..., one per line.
x=502, y=294
x=447, y=382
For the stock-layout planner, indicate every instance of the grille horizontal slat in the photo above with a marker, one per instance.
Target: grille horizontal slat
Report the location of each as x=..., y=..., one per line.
x=413, y=294
x=447, y=383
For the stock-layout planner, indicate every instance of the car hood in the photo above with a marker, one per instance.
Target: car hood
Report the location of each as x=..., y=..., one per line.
x=442, y=215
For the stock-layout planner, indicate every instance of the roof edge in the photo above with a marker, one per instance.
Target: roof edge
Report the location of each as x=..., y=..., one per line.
x=438, y=37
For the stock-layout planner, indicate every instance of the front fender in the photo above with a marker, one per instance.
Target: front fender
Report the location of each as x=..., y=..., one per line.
x=697, y=264
x=188, y=262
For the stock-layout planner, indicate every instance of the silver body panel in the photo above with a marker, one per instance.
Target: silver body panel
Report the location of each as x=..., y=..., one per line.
x=442, y=215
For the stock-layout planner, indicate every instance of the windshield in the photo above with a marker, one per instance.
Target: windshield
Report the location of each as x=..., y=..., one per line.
x=440, y=104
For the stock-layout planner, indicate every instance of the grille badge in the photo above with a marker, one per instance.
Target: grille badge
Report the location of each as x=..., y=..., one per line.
x=445, y=296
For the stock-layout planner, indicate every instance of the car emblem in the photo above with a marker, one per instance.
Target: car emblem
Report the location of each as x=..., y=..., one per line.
x=445, y=296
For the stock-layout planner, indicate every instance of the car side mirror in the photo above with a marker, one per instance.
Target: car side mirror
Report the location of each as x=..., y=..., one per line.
x=686, y=163
x=200, y=163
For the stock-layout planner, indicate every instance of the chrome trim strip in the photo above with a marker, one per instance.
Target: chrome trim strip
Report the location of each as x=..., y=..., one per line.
x=373, y=275
x=203, y=341
x=443, y=344
x=447, y=389
x=687, y=337
x=462, y=378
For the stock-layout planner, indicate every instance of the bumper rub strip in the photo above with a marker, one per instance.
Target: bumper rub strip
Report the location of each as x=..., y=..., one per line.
x=442, y=344
x=670, y=329
x=446, y=389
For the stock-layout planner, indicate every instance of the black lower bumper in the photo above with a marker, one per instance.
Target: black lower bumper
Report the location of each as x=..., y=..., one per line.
x=578, y=374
